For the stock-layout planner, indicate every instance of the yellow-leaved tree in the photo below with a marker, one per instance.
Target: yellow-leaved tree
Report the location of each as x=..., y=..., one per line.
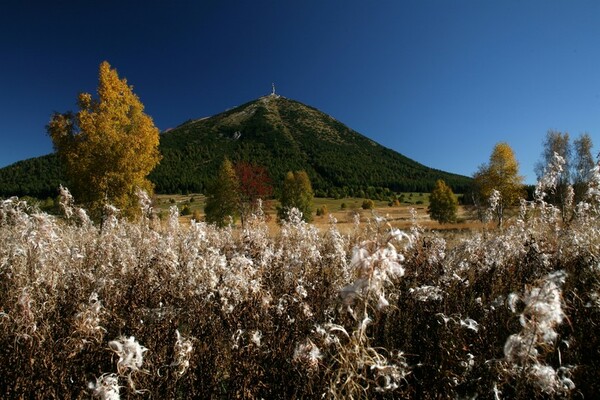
x=499, y=181
x=109, y=147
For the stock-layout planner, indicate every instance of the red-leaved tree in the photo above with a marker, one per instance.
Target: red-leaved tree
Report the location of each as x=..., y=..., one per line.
x=255, y=184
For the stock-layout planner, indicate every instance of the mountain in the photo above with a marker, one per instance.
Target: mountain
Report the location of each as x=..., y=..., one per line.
x=285, y=135
x=273, y=131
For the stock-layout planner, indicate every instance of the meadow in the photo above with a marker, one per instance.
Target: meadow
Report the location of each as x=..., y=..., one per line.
x=343, y=210
x=384, y=307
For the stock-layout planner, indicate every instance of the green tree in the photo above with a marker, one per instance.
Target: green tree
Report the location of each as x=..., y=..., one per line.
x=502, y=175
x=296, y=193
x=443, y=204
x=109, y=147
x=223, y=196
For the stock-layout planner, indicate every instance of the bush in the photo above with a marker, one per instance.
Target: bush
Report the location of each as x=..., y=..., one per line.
x=197, y=215
x=185, y=210
x=162, y=215
x=368, y=204
x=394, y=203
x=321, y=211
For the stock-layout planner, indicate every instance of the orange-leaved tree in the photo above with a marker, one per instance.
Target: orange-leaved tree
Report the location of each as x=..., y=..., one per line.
x=109, y=147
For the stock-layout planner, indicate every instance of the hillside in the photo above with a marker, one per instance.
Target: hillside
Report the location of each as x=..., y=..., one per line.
x=284, y=135
x=278, y=133
x=38, y=177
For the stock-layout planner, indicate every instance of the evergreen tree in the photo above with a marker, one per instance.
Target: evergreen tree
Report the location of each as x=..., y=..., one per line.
x=109, y=147
x=442, y=203
x=296, y=193
x=223, y=196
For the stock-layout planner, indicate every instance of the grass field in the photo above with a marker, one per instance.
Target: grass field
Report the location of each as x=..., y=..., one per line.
x=343, y=210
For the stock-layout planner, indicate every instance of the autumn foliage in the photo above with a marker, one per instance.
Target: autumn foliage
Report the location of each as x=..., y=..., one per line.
x=254, y=185
x=499, y=181
x=236, y=192
x=109, y=147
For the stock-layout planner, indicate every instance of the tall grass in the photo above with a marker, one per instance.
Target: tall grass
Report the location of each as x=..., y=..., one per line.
x=152, y=309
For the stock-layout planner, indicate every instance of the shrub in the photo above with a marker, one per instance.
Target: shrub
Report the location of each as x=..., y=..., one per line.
x=321, y=211
x=185, y=210
x=368, y=204
x=197, y=215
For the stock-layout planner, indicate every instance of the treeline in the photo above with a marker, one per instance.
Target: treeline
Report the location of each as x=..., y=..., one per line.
x=37, y=177
x=181, y=175
x=40, y=178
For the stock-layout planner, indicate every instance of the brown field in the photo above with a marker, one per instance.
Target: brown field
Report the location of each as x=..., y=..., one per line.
x=397, y=216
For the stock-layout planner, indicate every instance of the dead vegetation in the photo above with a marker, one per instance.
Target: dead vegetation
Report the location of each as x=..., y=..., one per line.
x=161, y=309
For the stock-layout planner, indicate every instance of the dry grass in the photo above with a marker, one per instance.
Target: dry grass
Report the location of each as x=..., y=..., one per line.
x=165, y=308
x=400, y=217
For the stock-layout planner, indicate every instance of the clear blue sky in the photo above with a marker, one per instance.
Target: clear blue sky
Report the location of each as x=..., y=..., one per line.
x=438, y=81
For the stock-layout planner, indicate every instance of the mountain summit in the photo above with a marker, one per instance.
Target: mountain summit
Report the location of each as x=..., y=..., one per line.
x=286, y=135
x=278, y=133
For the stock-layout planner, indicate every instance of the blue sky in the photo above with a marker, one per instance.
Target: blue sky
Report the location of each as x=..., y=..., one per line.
x=438, y=81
